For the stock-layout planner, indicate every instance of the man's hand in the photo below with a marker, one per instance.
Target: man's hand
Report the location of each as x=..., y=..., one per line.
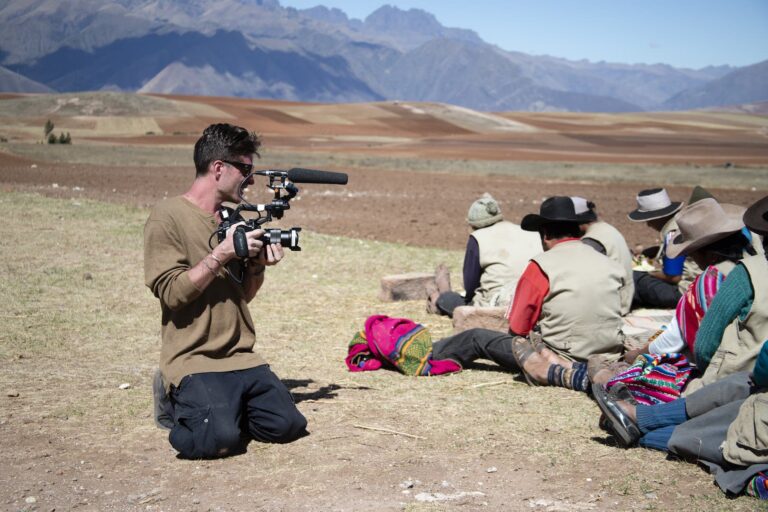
x=270, y=255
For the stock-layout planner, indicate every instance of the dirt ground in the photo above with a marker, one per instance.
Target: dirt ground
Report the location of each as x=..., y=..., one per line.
x=462, y=451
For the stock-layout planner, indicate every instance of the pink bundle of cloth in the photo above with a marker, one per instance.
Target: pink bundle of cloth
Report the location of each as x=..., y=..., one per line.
x=398, y=343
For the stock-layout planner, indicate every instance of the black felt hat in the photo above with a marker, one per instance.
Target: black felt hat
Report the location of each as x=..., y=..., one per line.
x=553, y=209
x=756, y=217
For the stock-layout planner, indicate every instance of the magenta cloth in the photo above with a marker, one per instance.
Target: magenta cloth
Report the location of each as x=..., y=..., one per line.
x=695, y=302
x=397, y=342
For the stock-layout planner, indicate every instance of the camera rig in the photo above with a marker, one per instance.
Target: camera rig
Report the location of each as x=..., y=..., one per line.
x=282, y=185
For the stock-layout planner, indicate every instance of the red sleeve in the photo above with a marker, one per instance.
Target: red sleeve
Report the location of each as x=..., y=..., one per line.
x=525, y=309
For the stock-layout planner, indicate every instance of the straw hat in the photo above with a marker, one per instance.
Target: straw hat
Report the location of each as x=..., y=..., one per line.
x=653, y=204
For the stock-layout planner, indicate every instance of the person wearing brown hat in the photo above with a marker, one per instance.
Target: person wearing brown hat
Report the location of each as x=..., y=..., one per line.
x=714, y=238
x=721, y=419
x=736, y=325
x=496, y=254
x=570, y=293
x=658, y=289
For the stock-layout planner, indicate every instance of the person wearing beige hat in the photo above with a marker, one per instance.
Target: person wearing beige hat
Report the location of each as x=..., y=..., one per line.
x=496, y=254
x=714, y=237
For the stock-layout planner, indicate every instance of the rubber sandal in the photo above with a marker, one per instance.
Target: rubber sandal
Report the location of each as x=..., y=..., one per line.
x=617, y=421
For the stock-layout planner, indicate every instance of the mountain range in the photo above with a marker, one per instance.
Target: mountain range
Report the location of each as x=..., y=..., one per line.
x=258, y=48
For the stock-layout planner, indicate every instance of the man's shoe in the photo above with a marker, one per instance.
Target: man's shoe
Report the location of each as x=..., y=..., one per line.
x=163, y=407
x=617, y=421
x=442, y=278
x=522, y=349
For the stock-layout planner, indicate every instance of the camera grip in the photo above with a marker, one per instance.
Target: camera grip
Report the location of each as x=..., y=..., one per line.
x=240, y=242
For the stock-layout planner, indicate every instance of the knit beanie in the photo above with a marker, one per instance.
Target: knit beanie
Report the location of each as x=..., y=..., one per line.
x=484, y=212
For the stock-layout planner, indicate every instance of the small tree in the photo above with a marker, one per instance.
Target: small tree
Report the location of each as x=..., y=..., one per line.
x=47, y=130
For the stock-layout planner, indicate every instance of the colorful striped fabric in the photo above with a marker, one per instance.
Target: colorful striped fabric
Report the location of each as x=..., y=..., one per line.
x=758, y=487
x=397, y=342
x=655, y=378
x=694, y=304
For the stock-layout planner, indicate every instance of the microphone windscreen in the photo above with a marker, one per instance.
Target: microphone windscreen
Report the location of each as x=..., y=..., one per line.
x=298, y=175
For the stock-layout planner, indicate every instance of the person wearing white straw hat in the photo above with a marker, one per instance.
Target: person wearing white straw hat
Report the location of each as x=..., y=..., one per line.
x=658, y=289
x=722, y=422
x=714, y=238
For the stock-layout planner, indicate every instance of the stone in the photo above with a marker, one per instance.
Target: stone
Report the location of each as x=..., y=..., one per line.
x=469, y=317
x=411, y=286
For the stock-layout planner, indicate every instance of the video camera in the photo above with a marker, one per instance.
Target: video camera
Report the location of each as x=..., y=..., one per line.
x=278, y=181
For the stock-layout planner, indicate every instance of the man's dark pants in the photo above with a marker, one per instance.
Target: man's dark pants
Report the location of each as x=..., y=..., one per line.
x=217, y=413
x=651, y=292
x=477, y=343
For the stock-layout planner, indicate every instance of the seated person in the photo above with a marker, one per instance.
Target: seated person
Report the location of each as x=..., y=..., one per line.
x=658, y=289
x=712, y=235
x=719, y=423
x=496, y=254
x=607, y=240
x=570, y=293
x=736, y=323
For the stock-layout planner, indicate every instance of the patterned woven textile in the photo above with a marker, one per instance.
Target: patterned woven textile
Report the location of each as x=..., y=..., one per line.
x=395, y=342
x=758, y=487
x=655, y=378
x=694, y=304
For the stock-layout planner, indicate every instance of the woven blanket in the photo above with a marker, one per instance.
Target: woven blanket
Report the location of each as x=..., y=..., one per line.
x=655, y=378
x=396, y=342
x=695, y=302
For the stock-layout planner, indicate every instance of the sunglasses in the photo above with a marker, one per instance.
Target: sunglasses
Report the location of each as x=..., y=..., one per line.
x=245, y=169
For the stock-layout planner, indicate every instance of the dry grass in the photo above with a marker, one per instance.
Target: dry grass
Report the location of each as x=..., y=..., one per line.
x=78, y=322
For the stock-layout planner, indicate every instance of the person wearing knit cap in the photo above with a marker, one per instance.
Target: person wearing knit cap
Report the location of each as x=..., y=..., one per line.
x=496, y=253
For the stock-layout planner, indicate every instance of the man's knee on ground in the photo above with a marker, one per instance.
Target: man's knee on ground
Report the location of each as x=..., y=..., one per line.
x=206, y=441
x=284, y=428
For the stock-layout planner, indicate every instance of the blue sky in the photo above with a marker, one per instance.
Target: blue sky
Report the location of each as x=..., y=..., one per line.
x=683, y=33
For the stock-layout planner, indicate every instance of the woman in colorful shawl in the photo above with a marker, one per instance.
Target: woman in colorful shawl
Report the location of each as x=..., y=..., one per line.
x=714, y=236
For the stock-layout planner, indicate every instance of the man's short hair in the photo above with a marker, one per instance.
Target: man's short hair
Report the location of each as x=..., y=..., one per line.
x=224, y=142
x=558, y=230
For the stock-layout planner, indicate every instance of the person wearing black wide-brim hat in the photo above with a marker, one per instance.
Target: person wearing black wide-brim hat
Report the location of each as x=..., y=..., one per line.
x=566, y=308
x=660, y=288
x=570, y=293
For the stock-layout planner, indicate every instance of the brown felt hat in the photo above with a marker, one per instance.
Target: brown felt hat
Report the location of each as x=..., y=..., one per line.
x=702, y=223
x=756, y=217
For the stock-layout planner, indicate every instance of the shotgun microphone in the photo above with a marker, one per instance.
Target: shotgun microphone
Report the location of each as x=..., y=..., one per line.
x=299, y=175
